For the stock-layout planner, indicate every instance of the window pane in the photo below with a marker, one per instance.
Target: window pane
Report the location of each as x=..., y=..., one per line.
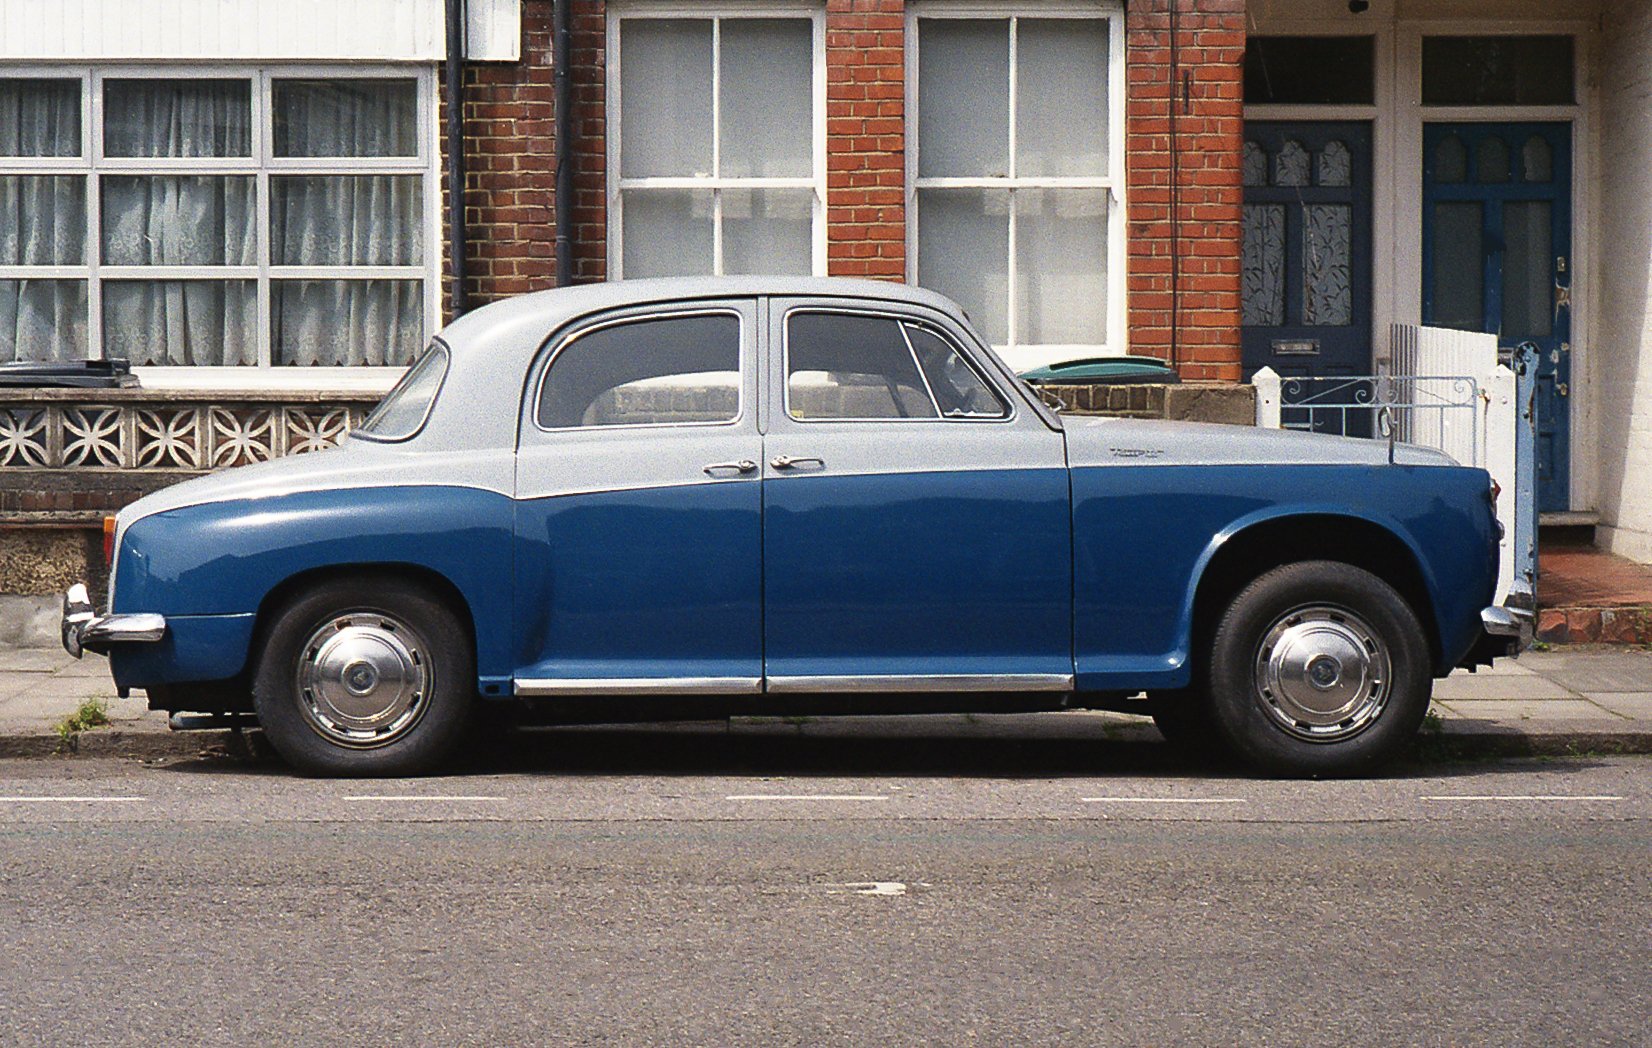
x=1312, y=70
x=346, y=220
x=851, y=367
x=179, y=220
x=768, y=231
x=1327, y=254
x=42, y=320
x=959, y=391
x=674, y=369
x=339, y=322
x=1061, y=266
x=963, y=97
x=1451, y=160
x=42, y=220
x=1491, y=160
x=668, y=233
x=403, y=409
x=1061, y=97
x=767, y=89
x=1497, y=70
x=39, y=117
x=964, y=250
x=1263, y=268
x=178, y=322
x=1528, y=274
x=181, y=118
x=346, y=117
x=665, y=97
x=1459, y=267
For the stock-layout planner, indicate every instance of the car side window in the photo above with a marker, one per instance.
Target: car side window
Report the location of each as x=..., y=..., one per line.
x=849, y=366
x=656, y=371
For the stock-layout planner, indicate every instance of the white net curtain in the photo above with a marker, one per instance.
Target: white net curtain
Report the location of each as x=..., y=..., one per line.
x=178, y=187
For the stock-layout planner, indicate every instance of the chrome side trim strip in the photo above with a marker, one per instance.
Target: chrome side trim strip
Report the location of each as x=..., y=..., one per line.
x=904, y=682
x=537, y=687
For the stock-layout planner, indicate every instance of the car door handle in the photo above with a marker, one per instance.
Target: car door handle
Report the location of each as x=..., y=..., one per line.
x=743, y=466
x=787, y=462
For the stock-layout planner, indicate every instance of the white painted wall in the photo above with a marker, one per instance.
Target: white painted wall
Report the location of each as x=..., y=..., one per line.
x=263, y=30
x=1624, y=345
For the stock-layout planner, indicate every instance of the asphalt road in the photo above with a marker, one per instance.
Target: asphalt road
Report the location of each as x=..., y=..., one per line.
x=658, y=887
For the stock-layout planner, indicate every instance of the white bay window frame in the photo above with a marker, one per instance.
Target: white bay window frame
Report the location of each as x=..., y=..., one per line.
x=715, y=182
x=261, y=165
x=1021, y=355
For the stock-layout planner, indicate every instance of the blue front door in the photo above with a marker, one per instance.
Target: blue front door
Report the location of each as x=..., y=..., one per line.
x=1307, y=254
x=1497, y=228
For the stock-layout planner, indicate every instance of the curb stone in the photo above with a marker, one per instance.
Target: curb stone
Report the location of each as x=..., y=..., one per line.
x=1454, y=742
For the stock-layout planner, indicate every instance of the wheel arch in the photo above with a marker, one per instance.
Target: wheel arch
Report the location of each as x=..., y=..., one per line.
x=1258, y=547
x=289, y=588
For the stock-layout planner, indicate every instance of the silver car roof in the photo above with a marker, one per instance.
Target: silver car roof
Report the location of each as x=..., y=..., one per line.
x=494, y=345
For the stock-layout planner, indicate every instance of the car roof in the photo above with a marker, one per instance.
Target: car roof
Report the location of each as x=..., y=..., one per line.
x=548, y=310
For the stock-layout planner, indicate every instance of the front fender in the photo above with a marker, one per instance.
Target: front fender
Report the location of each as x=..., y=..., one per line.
x=209, y=567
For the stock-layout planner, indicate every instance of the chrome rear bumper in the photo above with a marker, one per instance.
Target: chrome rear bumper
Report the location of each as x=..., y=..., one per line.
x=1517, y=617
x=84, y=630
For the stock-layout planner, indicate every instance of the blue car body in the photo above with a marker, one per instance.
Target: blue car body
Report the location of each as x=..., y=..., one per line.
x=1018, y=553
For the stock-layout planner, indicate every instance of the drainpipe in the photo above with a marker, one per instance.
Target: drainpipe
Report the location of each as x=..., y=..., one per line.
x=453, y=89
x=560, y=45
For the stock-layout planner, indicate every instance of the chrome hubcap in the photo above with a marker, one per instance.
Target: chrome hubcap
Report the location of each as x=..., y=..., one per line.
x=364, y=679
x=1323, y=673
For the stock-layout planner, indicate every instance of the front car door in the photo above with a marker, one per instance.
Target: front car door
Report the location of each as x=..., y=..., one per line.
x=638, y=538
x=916, y=523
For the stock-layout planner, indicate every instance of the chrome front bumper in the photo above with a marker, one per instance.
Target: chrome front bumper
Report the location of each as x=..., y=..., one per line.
x=84, y=630
x=1516, y=618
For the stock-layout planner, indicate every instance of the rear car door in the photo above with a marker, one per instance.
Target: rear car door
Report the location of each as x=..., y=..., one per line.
x=915, y=515
x=638, y=539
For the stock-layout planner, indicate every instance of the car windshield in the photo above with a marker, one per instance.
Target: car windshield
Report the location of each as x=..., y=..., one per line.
x=402, y=412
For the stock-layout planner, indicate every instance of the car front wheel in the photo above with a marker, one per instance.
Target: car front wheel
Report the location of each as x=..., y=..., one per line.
x=365, y=676
x=1319, y=668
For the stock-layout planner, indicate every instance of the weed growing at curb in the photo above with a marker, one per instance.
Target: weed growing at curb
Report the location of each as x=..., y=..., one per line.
x=93, y=713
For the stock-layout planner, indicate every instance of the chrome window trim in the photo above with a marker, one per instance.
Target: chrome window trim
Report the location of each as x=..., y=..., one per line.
x=437, y=345
x=569, y=337
x=919, y=682
x=536, y=687
x=1010, y=414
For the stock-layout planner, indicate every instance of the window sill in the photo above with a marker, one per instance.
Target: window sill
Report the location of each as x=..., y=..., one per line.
x=316, y=381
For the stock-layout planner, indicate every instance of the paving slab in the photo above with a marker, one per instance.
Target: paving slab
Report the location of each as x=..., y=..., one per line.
x=1599, y=670
x=93, y=667
x=1516, y=709
x=1636, y=705
x=32, y=660
x=1465, y=685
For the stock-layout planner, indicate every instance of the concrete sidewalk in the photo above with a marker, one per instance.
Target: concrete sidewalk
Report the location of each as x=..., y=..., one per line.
x=1556, y=702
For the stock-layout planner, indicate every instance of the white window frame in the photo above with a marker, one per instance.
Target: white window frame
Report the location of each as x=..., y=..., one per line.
x=1022, y=356
x=715, y=182
x=260, y=165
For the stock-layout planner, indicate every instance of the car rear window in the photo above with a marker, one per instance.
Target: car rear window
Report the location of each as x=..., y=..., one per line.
x=404, y=409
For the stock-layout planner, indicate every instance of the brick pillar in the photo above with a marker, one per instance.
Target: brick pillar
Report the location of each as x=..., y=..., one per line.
x=510, y=159
x=1184, y=282
x=866, y=138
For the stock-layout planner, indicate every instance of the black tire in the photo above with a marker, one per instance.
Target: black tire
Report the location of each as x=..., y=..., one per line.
x=1319, y=669
x=419, y=666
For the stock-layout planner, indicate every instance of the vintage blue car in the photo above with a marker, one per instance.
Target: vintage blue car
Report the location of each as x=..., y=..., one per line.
x=703, y=497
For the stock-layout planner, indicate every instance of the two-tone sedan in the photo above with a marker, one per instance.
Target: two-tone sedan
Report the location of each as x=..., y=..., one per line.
x=706, y=497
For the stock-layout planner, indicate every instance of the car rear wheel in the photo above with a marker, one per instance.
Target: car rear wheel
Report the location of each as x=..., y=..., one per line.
x=365, y=676
x=1319, y=668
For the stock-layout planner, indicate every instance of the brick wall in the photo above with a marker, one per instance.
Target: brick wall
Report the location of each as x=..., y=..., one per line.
x=510, y=158
x=1196, y=249
x=865, y=138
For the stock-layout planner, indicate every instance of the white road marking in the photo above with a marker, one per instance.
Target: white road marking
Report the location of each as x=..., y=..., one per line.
x=867, y=888
x=70, y=800
x=396, y=797
x=806, y=797
x=1524, y=797
x=1163, y=800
